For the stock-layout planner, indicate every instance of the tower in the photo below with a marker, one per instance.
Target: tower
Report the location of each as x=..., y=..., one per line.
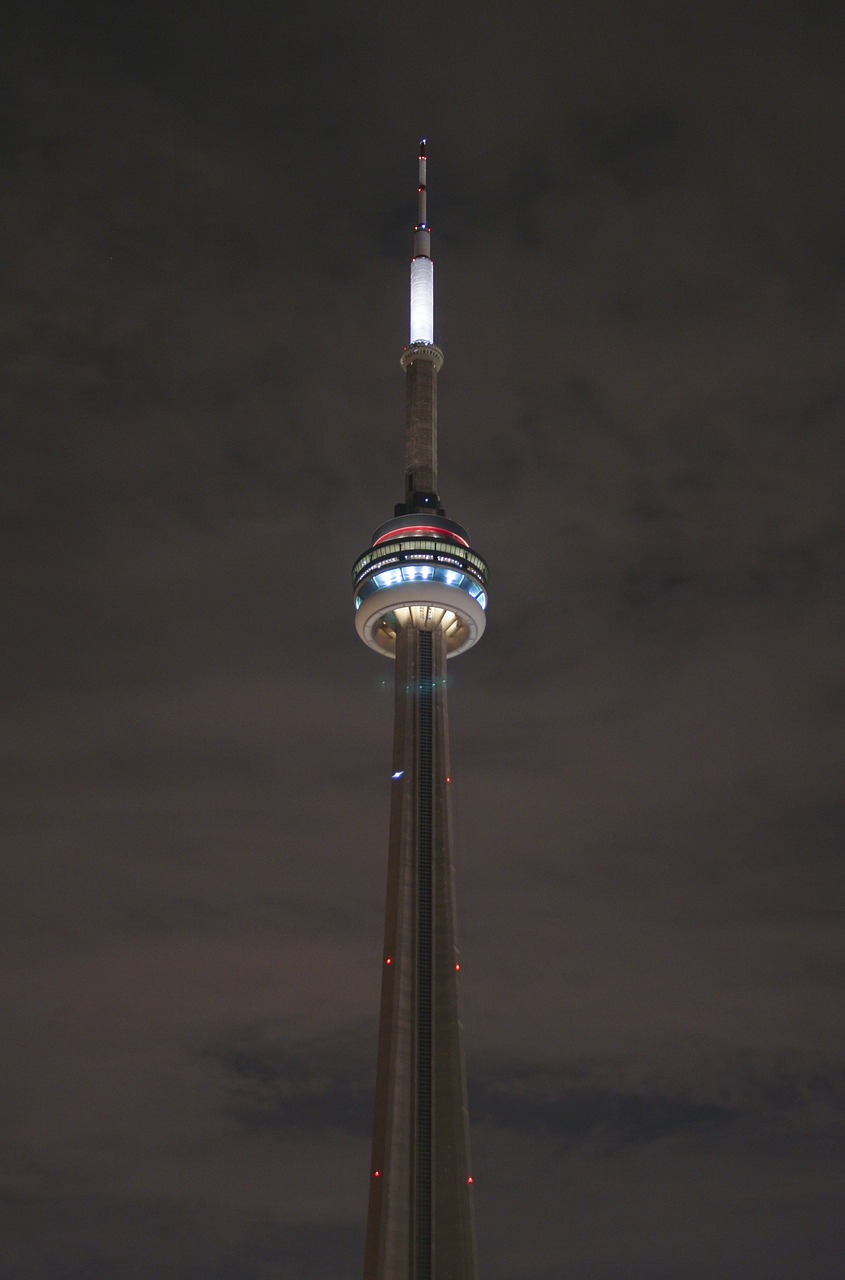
x=420, y=599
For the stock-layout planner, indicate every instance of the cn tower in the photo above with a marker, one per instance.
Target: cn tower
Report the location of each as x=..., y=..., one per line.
x=420, y=599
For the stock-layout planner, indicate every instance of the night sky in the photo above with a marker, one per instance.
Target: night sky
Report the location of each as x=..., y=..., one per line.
x=639, y=235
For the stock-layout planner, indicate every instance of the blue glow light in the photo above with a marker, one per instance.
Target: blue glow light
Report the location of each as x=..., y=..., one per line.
x=426, y=573
x=398, y=773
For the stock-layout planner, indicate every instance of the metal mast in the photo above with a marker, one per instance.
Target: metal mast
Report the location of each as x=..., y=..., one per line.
x=420, y=598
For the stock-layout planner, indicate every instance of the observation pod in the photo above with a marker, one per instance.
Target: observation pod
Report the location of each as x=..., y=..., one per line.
x=420, y=571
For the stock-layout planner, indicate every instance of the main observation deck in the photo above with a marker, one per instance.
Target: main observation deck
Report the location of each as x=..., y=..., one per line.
x=420, y=571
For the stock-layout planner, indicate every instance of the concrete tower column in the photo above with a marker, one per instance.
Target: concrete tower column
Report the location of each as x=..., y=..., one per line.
x=420, y=599
x=422, y=365
x=420, y=1224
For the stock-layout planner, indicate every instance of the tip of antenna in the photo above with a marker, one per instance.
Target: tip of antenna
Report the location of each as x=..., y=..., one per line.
x=422, y=146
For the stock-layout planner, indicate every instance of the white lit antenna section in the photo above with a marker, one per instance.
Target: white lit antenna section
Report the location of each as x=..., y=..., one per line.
x=422, y=268
x=422, y=300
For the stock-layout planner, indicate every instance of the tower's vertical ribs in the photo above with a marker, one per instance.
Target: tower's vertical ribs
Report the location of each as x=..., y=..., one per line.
x=424, y=961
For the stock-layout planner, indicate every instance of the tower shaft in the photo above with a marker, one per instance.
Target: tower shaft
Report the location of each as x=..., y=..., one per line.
x=420, y=598
x=420, y=1224
x=421, y=365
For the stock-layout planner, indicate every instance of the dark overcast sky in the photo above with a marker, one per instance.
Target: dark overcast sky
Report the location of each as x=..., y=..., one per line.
x=639, y=220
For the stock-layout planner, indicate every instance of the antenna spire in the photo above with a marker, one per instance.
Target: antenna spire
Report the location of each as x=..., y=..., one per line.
x=422, y=236
x=422, y=267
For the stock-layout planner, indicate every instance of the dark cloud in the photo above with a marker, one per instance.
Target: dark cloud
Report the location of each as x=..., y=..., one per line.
x=637, y=150
x=613, y=1119
x=323, y=1084
x=578, y=1107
